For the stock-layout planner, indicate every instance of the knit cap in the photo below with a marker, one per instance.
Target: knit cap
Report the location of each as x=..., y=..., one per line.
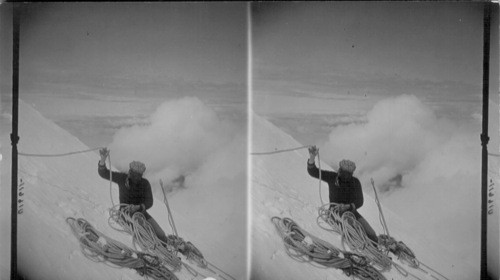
x=137, y=167
x=347, y=165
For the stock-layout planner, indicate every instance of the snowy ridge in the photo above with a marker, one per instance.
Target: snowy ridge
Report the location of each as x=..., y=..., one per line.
x=281, y=187
x=56, y=188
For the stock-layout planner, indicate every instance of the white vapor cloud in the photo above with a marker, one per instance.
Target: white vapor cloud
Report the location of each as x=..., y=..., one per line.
x=402, y=137
x=184, y=137
x=427, y=168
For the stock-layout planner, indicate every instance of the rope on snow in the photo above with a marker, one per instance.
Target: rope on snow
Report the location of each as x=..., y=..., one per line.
x=100, y=248
x=304, y=247
x=354, y=235
x=144, y=236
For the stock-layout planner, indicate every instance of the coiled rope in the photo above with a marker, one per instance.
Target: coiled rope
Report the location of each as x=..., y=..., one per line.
x=352, y=233
x=100, y=248
x=144, y=237
x=170, y=217
x=143, y=234
x=304, y=247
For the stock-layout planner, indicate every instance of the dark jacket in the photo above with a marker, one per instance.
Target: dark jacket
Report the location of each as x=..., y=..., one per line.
x=340, y=191
x=136, y=194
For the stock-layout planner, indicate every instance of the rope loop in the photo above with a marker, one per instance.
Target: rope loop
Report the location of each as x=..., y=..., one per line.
x=353, y=234
x=100, y=248
x=370, y=256
x=143, y=234
x=304, y=247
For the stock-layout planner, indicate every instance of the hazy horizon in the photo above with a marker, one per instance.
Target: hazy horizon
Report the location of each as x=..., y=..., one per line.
x=317, y=66
x=96, y=67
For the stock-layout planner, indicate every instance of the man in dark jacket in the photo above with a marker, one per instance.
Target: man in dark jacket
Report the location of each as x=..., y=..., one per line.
x=133, y=189
x=344, y=189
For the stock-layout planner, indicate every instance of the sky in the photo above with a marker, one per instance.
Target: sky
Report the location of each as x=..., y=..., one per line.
x=341, y=58
x=93, y=67
x=100, y=64
x=94, y=42
x=384, y=39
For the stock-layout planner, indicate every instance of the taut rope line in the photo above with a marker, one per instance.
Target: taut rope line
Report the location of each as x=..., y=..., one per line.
x=280, y=151
x=74, y=153
x=59, y=155
x=295, y=149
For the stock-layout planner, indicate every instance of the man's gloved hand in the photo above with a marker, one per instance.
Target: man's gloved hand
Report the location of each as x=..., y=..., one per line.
x=135, y=208
x=104, y=153
x=313, y=152
x=344, y=207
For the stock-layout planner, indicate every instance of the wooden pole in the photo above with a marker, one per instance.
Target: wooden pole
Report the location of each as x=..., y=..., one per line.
x=14, y=137
x=484, y=140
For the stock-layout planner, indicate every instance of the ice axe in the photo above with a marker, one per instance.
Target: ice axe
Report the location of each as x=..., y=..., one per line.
x=384, y=224
x=170, y=217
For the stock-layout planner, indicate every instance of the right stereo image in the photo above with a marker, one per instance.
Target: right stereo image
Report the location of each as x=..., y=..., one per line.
x=374, y=140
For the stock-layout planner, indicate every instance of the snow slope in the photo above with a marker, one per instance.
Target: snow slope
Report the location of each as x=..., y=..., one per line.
x=281, y=187
x=59, y=187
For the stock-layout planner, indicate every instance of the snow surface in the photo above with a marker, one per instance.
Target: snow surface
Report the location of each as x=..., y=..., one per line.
x=281, y=187
x=56, y=188
x=60, y=187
